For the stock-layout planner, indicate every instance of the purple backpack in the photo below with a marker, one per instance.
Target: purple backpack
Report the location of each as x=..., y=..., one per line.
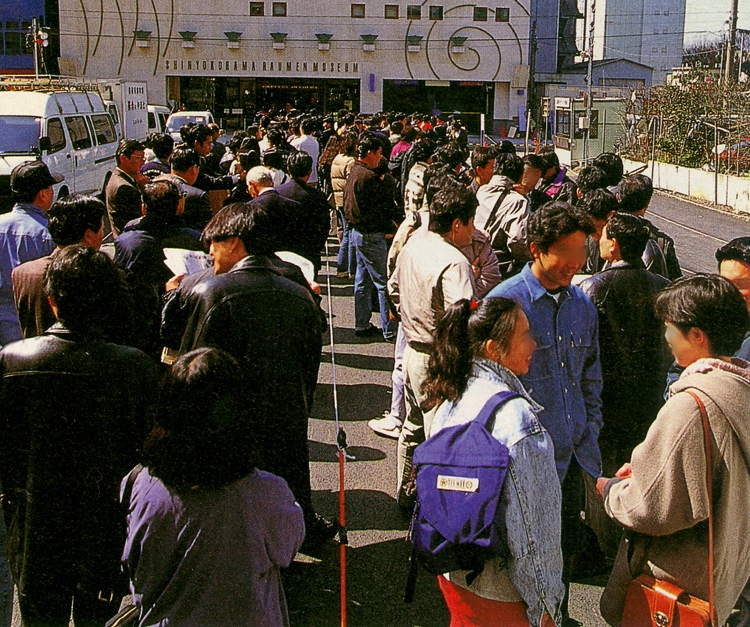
x=458, y=523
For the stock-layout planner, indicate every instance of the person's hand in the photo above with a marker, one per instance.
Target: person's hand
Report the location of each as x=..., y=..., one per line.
x=315, y=287
x=476, y=270
x=142, y=180
x=174, y=282
x=625, y=472
x=601, y=484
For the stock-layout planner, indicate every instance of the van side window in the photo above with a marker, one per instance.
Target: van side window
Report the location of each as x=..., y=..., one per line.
x=79, y=134
x=103, y=129
x=112, y=109
x=151, y=121
x=56, y=135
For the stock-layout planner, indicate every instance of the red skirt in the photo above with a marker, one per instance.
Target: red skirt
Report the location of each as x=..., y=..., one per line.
x=470, y=610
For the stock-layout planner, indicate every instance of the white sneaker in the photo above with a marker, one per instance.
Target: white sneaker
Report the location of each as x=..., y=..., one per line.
x=388, y=426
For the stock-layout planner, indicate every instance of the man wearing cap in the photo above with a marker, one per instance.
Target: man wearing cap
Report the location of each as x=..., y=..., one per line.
x=23, y=235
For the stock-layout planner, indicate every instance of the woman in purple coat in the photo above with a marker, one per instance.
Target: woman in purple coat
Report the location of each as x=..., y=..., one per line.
x=208, y=533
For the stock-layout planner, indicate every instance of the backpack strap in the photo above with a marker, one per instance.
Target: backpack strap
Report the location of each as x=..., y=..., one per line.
x=487, y=413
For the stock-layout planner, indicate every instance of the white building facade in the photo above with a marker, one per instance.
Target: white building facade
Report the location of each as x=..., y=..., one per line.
x=236, y=57
x=650, y=32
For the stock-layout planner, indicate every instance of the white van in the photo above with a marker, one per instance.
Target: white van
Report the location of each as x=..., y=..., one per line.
x=69, y=130
x=157, y=119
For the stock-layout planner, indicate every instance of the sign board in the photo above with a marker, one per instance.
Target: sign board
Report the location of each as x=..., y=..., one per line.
x=562, y=103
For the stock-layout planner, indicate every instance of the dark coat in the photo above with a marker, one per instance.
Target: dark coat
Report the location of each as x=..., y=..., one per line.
x=123, y=201
x=310, y=223
x=369, y=204
x=197, y=206
x=139, y=252
x=285, y=213
x=272, y=326
x=632, y=351
x=73, y=426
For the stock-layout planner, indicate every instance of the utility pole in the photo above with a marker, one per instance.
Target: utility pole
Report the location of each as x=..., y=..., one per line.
x=590, y=81
x=38, y=38
x=531, y=91
x=730, y=71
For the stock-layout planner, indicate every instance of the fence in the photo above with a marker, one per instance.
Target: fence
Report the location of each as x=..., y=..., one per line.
x=720, y=189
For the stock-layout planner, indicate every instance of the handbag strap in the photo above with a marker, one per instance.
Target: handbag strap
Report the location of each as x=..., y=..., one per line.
x=709, y=481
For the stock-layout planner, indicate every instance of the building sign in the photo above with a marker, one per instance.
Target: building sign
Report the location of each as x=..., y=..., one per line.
x=276, y=68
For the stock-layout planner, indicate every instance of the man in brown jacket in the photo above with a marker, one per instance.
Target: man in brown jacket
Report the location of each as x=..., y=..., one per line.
x=662, y=493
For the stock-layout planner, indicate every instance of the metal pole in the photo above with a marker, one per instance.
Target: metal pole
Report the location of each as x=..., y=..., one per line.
x=589, y=80
x=35, y=41
x=732, y=44
x=716, y=161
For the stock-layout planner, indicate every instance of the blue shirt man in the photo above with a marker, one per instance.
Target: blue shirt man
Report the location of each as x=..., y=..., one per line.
x=23, y=235
x=565, y=375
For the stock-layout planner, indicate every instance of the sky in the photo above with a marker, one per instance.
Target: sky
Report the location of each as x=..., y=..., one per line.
x=703, y=18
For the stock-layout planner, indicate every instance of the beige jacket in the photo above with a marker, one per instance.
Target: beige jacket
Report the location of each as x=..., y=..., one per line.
x=667, y=496
x=340, y=168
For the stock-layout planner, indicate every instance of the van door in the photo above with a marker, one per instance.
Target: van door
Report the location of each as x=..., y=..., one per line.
x=106, y=142
x=59, y=157
x=83, y=154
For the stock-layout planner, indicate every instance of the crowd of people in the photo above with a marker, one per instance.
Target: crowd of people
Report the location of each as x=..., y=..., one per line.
x=156, y=424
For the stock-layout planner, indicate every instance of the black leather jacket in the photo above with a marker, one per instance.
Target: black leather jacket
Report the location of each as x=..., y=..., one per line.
x=272, y=326
x=632, y=349
x=75, y=413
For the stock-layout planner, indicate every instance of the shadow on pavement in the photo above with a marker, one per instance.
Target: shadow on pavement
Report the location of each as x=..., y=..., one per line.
x=376, y=577
x=361, y=362
x=322, y=452
x=366, y=510
x=361, y=401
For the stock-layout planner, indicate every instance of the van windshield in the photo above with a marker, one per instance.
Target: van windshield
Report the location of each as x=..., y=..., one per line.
x=176, y=121
x=19, y=134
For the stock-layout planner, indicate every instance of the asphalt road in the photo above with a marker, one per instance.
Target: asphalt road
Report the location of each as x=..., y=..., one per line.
x=377, y=555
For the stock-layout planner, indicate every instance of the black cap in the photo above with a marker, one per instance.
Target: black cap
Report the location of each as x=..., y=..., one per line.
x=32, y=176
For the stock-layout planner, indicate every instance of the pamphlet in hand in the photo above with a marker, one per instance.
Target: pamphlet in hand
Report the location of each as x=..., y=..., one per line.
x=182, y=261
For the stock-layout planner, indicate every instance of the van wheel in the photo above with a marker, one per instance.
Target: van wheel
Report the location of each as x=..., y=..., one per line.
x=63, y=193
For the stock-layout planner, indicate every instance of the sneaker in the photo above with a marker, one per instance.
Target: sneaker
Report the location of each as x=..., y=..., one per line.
x=388, y=426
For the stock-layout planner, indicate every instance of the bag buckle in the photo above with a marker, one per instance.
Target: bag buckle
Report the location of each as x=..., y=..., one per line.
x=661, y=619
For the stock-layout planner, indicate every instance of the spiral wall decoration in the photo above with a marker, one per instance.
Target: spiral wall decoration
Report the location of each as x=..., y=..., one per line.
x=485, y=60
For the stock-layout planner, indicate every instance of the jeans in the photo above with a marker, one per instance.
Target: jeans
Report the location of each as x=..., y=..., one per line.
x=372, y=254
x=347, y=261
x=397, y=377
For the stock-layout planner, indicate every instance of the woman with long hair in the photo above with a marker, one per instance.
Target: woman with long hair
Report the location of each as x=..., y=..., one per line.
x=208, y=533
x=480, y=349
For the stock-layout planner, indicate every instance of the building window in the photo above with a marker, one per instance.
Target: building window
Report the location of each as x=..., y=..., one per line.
x=413, y=12
x=436, y=13
x=563, y=123
x=279, y=9
x=502, y=14
x=664, y=50
x=657, y=12
x=257, y=9
x=665, y=31
x=358, y=10
x=480, y=14
x=666, y=13
x=654, y=50
x=13, y=43
x=391, y=11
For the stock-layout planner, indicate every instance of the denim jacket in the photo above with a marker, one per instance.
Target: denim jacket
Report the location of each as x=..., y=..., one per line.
x=531, y=496
x=565, y=375
x=23, y=237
